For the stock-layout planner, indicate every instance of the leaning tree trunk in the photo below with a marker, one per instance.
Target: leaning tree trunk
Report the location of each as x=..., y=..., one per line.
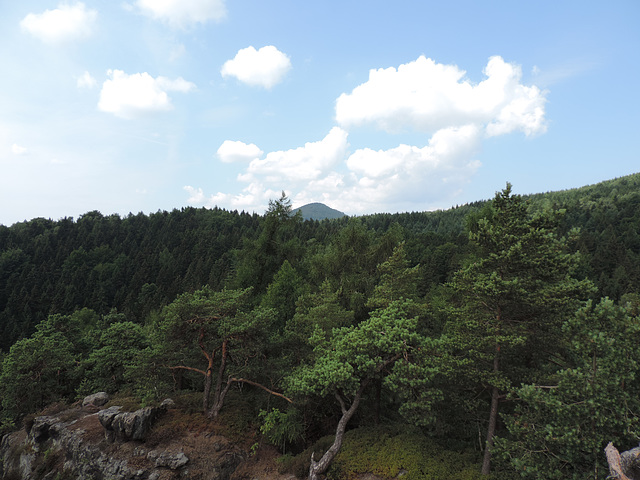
x=319, y=467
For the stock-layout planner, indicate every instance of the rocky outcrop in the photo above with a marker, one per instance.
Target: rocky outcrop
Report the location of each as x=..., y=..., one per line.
x=71, y=444
x=50, y=446
x=127, y=426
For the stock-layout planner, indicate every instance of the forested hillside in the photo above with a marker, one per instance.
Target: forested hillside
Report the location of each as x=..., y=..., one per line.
x=480, y=321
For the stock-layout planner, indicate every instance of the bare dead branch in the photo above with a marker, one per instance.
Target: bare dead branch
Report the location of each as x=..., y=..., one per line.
x=188, y=368
x=255, y=384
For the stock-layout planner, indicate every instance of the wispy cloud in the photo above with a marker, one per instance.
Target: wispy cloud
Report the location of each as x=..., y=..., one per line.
x=18, y=150
x=547, y=76
x=86, y=80
x=183, y=13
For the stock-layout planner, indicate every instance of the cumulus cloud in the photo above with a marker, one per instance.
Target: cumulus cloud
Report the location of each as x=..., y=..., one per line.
x=183, y=13
x=86, y=81
x=301, y=164
x=265, y=67
x=374, y=181
x=235, y=151
x=265, y=177
x=454, y=114
x=129, y=96
x=426, y=96
x=67, y=22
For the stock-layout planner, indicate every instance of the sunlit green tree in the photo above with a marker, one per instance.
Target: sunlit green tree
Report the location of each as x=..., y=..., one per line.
x=513, y=297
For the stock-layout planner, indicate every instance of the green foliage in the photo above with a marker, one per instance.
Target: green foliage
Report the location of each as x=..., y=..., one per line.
x=282, y=294
x=320, y=310
x=514, y=295
x=513, y=298
x=560, y=431
x=204, y=332
x=356, y=354
x=260, y=259
x=343, y=307
x=389, y=451
x=147, y=376
x=282, y=428
x=397, y=280
x=349, y=264
x=105, y=366
x=37, y=370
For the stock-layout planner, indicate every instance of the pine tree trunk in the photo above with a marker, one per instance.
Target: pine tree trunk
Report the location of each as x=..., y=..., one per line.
x=493, y=419
x=219, y=402
x=318, y=468
x=219, y=393
x=207, y=391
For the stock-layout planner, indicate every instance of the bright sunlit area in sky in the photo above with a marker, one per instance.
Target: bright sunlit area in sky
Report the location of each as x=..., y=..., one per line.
x=368, y=107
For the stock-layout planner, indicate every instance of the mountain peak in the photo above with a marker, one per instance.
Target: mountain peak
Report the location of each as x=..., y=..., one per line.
x=318, y=211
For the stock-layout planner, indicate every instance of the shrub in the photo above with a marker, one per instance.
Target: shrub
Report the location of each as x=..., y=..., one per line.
x=387, y=451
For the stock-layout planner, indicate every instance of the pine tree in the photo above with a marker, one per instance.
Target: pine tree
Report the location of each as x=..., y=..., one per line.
x=513, y=297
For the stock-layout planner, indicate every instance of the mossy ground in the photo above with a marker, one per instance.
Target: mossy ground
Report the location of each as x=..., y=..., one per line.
x=387, y=452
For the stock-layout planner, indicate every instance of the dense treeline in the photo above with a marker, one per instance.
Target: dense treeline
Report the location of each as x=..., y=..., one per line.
x=514, y=319
x=141, y=262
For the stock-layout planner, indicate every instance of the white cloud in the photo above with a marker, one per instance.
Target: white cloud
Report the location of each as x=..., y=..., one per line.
x=301, y=164
x=289, y=169
x=412, y=174
x=18, y=150
x=67, y=22
x=254, y=197
x=86, y=81
x=129, y=96
x=235, y=151
x=265, y=67
x=426, y=96
x=196, y=194
x=375, y=180
x=177, y=85
x=455, y=115
x=183, y=13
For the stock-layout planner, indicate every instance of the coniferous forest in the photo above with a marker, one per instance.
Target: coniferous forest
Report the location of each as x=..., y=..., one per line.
x=503, y=334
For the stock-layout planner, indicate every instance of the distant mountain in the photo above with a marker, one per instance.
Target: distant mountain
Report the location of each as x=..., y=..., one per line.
x=318, y=211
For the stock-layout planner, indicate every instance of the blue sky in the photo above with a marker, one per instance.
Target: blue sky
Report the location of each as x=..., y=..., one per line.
x=147, y=105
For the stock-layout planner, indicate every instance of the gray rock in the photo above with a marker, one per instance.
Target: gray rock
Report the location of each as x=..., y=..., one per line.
x=128, y=425
x=19, y=456
x=134, y=425
x=107, y=415
x=169, y=460
x=97, y=399
x=106, y=418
